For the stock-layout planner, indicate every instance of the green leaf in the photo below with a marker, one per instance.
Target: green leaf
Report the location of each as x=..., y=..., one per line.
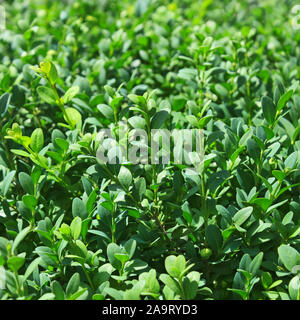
x=295, y=134
x=73, y=284
x=192, y=120
x=137, y=122
x=73, y=117
x=91, y=201
x=30, y=201
x=116, y=102
x=159, y=118
x=98, y=296
x=47, y=94
x=70, y=94
x=7, y=182
x=33, y=265
x=125, y=177
x=242, y=215
x=26, y=182
x=20, y=237
x=80, y=249
x=130, y=247
x=47, y=296
x=291, y=160
x=4, y=103
x=57, y=290
x=45, y=66
x=188, y=74
x=77, y=294
x=279, y=175
x=247, y=135
x=294, y=288
x=114, y=293
x=256, y=263
x=52, y=74
x=289, y=256
x=65, y=229
x=266, y=279
x=140, y=188
x=15, y=263
x=79, y=209
x=140, y=101
x=55, y=156
x=123, y=257
x=269, y=109
x=63, y=144
x=253, y=150
x=76, y=227
x=170, y=282
x=175, y=265
x=240, y=292
x=37, y=140
x=284, y=99
x=20, y=153
x=109, y=90
x=16, y=129
x=112, y=249
x=141, y=6
x=214, y=237
x=263, y=203
x=204, y=121
x=190, y=285
x=107, y=111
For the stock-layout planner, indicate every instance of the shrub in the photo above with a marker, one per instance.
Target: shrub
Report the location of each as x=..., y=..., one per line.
x=223, y=224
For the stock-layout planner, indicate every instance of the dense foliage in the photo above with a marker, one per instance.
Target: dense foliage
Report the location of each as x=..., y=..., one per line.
x=74, y=228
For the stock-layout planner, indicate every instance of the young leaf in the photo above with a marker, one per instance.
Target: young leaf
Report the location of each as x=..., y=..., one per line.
x=76, y=227
x=47, y=94
x=52, y=74
x=37, y=140
x=175, y=265
x=73, y=117
x=70, y=94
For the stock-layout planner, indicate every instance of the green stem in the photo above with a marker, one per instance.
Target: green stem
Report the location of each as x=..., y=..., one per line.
x=18, y=284
x=60, y=104
x=181, y=288
x=88, y=277
x=10, y=158
x=203, y=193
x=113, y=225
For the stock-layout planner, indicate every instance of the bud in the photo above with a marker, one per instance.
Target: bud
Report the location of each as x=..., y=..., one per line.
x=205, y=253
